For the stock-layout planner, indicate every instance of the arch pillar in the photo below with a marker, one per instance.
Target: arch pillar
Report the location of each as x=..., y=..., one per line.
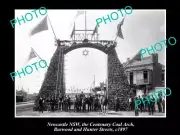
x=49, y=87
x=117, y=81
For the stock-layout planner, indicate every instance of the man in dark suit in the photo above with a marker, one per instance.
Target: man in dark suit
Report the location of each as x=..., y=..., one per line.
x=69, y=103
x=66, y=103
x=152, y=105
x=159, y=102
x=41, y=102
x=60, y=103
x=53, y=103
x=88, y=103
x=141, y=105
x=96, y=102
x=82, y=95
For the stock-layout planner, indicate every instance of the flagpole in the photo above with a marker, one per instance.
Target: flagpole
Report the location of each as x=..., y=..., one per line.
x=97, y=35
x=62, y=72
x=58, y=72
x=38, y=55
x=115, y=40
x=74, y=30
x=94, y=81
x=85, y=24
x=52, y=27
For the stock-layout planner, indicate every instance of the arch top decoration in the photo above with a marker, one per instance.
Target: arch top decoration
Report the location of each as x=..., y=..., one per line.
x=102, y=45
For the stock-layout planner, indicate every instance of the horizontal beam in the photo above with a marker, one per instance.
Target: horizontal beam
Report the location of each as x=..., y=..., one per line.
x=82, y=40
x=93, y=40
x=88, y=40
x=83, y=30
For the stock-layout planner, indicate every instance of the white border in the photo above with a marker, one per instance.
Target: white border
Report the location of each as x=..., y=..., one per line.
x=98, y=115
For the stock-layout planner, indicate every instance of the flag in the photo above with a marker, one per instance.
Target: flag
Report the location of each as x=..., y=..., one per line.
x=119, y=31
x=32, y=54
x=40, y=27
x=73, y=31
x=95, y=30
x=79, y=13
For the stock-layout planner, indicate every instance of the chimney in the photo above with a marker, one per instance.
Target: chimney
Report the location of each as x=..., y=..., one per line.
x=154, y=58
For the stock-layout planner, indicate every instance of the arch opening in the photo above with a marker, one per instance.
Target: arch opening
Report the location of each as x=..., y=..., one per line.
x=81, y=71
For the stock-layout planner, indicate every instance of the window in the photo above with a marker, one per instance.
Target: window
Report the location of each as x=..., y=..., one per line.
x=131, y=78
x=145, y=75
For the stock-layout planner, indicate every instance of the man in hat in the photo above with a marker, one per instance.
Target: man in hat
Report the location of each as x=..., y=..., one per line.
x=60, y=103
x=41, y=102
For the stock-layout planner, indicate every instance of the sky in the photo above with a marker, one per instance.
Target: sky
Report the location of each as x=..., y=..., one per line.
x=141, y=29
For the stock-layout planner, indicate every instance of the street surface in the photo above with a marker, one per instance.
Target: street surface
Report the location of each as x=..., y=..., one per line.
x=19, y=103
x=26, y=109
x=109, y=113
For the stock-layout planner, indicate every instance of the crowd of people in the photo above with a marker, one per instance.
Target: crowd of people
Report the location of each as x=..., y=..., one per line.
x=146, y=106
x=81, y=103
x=97, y=103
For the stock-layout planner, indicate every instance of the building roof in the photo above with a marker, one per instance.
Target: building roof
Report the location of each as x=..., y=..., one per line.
x=141, y=64
x=140, y=68
x=144, y=61
x=136, y=57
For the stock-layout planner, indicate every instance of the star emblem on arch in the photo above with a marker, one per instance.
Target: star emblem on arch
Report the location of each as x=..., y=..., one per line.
x=85, y=52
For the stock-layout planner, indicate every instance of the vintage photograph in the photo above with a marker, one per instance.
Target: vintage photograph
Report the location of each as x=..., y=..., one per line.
x=68, y=64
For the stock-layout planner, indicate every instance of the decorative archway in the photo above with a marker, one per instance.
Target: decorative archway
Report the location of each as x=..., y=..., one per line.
x=117, y=80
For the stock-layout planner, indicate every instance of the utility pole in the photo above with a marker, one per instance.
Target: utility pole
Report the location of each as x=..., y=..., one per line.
x=85, y=24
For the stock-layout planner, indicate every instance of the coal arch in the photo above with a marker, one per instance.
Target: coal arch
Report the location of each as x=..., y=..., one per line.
x=54, y=84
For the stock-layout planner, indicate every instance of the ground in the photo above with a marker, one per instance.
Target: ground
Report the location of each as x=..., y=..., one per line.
x=26, y=109
x=109, y=113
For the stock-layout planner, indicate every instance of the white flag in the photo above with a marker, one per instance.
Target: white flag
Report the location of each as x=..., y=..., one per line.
x=32, y=54
x=79, y=13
